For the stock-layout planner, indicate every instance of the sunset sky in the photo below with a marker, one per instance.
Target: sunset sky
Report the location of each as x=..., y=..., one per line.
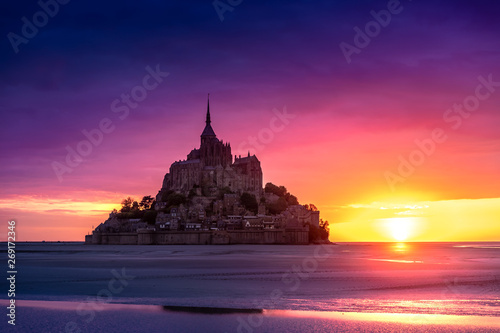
x=400, y=140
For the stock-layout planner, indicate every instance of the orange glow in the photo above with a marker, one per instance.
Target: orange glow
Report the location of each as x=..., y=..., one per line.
x=83, y=206
x=444, y=220
x=400, y=247
x=53, y=218
x=73, y=216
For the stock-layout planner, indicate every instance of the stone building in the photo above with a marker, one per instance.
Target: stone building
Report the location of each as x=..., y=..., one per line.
x=303, y=215
x=211, y=209
x=211, y=167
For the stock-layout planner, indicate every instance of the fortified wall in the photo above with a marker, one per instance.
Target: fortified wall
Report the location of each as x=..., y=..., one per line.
x=151, y=237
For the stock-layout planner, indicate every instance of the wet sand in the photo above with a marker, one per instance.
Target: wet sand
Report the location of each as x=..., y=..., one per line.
x=341, y=287
x=54, y=316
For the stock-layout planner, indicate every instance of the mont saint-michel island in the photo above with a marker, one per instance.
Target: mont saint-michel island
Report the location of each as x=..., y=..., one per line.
x=213, y=198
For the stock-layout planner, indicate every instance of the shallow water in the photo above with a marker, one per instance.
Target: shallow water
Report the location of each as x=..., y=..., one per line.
x=63, y=316
x=426, y=278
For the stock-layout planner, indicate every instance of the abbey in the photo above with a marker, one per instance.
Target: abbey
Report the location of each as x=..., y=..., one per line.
x=212, y=197
x=211, y=167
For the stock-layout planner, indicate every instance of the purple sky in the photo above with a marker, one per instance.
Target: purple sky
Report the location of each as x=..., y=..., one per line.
x=350, y=119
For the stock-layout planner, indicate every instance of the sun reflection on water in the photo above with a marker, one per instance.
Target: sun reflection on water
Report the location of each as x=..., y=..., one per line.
x=452, y=321
x=400, y=247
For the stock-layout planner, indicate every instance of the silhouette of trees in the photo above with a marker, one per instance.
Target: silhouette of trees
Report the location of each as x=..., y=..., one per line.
x=176, y=199
x=131, y=209
x=131, y=205
x=291, y=199
x=319, y=234
x=285, y=198
x=280, y=191
x=249, y=202
x=277, y=207
x=146, y=202
x=311, y=207
x=324, y=227
x=173, y=199
x=150, y=216
x=127, y=205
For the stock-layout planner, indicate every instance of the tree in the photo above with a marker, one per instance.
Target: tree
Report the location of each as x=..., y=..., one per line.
x=311, y=207
x=249, y=202
x=291, y=199
x=314, y=234
x=281, y=192
x=150, y=217
x=175, y=199
x=146, y=202
x=271, y=188
x=164, y=195
x=319, y=234
x=277, y=207
x=127, y=205
x=324, y=228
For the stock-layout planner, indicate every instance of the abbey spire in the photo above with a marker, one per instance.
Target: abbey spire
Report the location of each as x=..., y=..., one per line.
x=208, y=131
x=207, y=121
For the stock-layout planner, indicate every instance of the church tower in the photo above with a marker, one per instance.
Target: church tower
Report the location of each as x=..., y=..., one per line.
x=208, y=133
x=213, y=152
x=210, y=168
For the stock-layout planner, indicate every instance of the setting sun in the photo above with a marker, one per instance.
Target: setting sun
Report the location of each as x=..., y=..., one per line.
x=401, y=228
